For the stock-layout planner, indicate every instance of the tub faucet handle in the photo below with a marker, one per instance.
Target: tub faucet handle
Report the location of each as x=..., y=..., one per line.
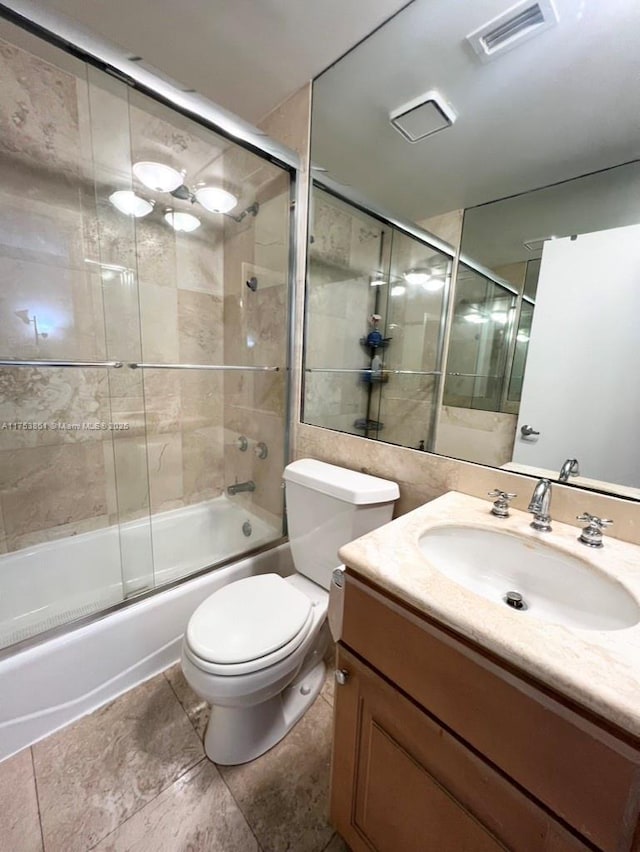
x=591, y=535
x=501, y=505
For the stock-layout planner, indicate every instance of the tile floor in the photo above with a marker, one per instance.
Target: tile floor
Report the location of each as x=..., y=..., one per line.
x=133, y=776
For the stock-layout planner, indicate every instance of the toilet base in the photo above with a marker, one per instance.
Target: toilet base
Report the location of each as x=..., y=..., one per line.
x=239, y=734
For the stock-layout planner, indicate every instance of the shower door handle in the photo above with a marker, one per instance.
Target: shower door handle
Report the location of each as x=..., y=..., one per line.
x=11, y=362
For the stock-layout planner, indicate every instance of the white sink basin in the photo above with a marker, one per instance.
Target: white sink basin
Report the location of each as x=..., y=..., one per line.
x=554, y=586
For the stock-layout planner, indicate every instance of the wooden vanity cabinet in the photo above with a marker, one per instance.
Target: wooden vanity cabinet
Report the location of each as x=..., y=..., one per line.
x=440, y=748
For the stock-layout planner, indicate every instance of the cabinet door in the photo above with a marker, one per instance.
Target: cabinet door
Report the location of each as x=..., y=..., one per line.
x=401, y=783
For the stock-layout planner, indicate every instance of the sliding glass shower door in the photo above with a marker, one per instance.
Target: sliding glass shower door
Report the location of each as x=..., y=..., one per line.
x=143, y=341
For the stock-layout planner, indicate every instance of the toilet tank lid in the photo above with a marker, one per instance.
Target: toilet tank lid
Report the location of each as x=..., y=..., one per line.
x=348, y=485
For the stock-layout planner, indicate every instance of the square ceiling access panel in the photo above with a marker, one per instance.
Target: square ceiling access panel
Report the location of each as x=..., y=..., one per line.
x=422, y=116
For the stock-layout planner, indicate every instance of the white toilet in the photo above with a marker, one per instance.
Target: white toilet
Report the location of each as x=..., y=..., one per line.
x=254, y=649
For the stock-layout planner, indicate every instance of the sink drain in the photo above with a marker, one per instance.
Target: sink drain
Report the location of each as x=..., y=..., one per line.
x=514, y=600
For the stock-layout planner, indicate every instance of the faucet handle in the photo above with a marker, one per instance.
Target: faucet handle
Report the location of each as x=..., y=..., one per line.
x=501, y=505
x=591, y=535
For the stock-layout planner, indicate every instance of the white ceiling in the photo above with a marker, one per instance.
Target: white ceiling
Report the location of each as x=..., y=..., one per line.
x=564, y=103
x=495, y=234
x=245, y=55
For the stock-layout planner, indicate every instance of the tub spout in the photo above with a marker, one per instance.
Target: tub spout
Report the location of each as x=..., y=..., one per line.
x=239, y=487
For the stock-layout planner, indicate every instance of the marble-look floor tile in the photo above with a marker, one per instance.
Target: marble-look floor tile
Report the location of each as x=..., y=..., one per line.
x=19, y=823
x=196, y=708
x=95, y=774
x=284, y=794
x=197, y=813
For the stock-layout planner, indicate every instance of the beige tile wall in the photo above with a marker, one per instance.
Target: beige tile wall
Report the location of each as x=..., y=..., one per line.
x=66, y=141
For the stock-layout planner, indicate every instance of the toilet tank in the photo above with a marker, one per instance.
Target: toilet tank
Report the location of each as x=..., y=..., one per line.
x=327, y=506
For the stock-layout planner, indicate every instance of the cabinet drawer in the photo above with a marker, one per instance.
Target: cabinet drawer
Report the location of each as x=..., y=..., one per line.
x=583, y=773
x=415, y=788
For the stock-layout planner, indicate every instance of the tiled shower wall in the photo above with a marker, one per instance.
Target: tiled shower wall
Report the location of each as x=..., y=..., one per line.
x=256, y=333
x=63, y=140
x=257, y=323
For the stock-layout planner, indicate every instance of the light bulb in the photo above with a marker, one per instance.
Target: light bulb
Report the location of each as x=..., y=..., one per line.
x=130, y=204
x=181, y=221
x=158, y=176
x=215, y=200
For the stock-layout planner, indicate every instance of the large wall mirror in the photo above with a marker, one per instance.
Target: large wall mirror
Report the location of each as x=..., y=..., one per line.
x=473, y=281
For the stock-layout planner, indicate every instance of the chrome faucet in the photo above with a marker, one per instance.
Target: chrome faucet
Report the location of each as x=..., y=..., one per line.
x=569, y=468
x=239, y=487
x=540, y=504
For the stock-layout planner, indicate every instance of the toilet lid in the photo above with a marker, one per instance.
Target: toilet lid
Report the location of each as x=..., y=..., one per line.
x=247, y=619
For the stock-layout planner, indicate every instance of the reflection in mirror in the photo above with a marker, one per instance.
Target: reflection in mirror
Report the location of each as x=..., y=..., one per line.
x=376, y=303
x=538, y=331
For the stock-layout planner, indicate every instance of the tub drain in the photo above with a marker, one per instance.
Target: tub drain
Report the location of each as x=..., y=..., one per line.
x=514, y=600
x=246, y=529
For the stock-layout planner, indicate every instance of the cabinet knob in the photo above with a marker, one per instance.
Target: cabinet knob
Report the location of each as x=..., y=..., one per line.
x=342, y=676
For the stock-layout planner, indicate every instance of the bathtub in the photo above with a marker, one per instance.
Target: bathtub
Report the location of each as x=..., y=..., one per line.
x=55, y=583
x=48, y=685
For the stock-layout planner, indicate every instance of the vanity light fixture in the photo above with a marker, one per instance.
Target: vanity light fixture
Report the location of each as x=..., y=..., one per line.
x=162, y=178
x=127, y=202
x=158, y=176
x=180, y=221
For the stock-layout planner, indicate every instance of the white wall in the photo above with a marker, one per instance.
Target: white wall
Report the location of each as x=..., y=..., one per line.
x=581, y=387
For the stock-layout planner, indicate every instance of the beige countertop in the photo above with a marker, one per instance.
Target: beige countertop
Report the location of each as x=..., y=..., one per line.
x=598, y=669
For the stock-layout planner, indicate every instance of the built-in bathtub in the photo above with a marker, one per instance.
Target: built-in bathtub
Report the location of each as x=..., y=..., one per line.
x=49, y=684
x=55, y=583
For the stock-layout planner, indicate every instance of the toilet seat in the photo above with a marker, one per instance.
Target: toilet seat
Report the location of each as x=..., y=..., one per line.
x=248, y=625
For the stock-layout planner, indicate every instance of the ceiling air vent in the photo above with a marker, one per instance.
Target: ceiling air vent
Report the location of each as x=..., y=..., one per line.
x=513, y=27
x=422, y=116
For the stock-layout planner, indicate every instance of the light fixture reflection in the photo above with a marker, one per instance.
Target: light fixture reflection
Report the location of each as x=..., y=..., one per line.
x=158, y=176
x=215, y=200
x=433, y=285
x=398, y=290
x=130, y=204
x=475, y=318
x=181, y=221
x=416, y=277
x=500, y=317
x=522, y=337
x=377, y=280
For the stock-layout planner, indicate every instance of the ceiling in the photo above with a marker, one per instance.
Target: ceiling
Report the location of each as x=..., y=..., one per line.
x=496, y=234
x=245, y=55
x=565, y=103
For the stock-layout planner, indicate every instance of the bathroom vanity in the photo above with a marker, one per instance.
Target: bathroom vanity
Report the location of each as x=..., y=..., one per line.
x=461, y=724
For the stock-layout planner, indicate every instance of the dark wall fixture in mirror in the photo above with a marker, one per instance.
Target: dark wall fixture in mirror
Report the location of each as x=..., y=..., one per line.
x=528, y=204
